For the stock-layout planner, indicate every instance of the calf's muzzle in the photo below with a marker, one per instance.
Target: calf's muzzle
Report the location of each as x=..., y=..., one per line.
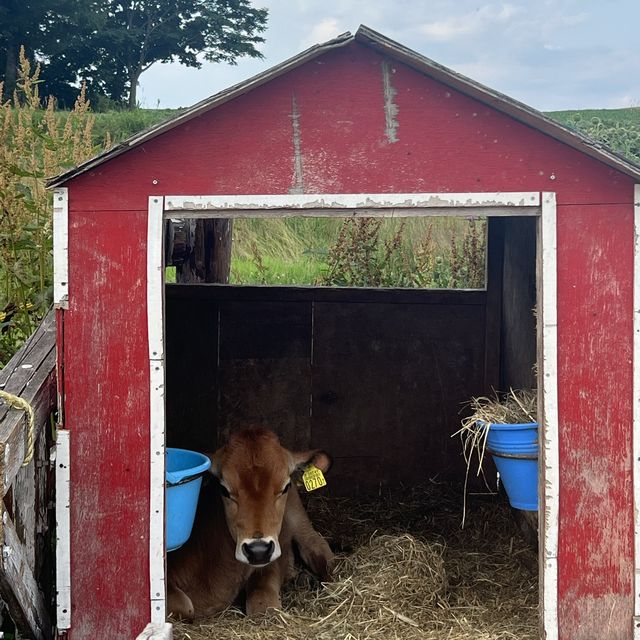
x=259, y=551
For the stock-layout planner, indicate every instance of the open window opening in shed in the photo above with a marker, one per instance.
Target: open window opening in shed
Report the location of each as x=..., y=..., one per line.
x=379, y=378
x=420, y=253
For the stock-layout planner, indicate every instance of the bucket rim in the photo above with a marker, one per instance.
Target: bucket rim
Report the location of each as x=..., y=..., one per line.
x=508, y=426
x=190, y=473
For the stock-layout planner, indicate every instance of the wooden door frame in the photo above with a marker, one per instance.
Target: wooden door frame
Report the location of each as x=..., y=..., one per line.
x=540, y=205
x=636, y=410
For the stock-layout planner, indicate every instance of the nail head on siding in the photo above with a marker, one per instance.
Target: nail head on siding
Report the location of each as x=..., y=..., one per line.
x=154, y=182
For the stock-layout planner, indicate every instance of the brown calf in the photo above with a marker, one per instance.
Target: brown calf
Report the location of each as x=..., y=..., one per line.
x=244, y=530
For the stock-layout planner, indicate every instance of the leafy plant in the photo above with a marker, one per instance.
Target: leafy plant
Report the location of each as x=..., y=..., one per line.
x=361, y=257
x=623, y=137
x=34, y=143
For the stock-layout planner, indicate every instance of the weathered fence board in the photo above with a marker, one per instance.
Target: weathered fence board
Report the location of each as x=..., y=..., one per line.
x=26, y=583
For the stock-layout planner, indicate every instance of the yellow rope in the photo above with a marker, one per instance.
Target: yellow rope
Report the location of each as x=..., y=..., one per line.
x=19, y=403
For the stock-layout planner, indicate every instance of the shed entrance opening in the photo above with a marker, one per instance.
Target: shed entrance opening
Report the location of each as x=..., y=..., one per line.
x=375, y=376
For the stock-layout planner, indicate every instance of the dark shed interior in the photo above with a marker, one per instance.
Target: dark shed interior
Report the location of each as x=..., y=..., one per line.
x=377, y=377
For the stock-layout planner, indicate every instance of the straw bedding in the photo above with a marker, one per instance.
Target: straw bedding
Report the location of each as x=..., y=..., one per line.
x=405, y=570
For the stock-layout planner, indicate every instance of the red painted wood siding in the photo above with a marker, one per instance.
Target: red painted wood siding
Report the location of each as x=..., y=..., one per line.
x=107, y=410
x=595, y=368
x=445, y=142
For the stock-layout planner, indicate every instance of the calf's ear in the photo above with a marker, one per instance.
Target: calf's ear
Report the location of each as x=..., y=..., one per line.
x=316, y=457
x=216, y=461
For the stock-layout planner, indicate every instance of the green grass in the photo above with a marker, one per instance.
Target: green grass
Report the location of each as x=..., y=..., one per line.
x=123, y=124
x=297, y=250
x=306, y=270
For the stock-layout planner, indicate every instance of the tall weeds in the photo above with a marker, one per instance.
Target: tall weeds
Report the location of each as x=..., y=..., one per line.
x=361, y=257
x=34, y=144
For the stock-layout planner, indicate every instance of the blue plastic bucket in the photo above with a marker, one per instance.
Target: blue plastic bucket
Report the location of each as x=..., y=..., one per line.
x=184, y=471
x=519, y=475
x=514, y=448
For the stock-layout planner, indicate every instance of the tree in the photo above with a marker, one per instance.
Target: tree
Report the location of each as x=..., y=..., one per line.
x=110, y=43
x=136, y=34
x=46, y=28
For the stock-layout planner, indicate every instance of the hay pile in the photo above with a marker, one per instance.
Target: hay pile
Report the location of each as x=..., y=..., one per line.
x=407, y=571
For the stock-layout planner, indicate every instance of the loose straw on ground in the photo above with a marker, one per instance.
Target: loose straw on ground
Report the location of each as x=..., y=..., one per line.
x=406, y=571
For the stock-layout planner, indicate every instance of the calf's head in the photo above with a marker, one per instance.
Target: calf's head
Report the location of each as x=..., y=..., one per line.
x=254, y=471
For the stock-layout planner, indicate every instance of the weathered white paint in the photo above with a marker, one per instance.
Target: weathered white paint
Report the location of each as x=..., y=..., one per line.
x=155, y=321
x=356, y=204
x=156, y=508
x=155, y=278
x=390, y=106
x=159, y=631
x=636, y=408
x=61, y=248
x=63, y=530
x=548, y=382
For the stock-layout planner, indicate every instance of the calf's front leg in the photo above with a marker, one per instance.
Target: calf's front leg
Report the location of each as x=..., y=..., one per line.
x=313, y=548
x=263, y=586
x=179, y=603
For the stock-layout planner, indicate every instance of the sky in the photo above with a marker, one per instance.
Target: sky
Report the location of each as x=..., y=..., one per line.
x=549, y=54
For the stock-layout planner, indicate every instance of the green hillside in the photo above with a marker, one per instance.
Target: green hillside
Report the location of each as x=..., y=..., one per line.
x=629, y=116
x=619, y=129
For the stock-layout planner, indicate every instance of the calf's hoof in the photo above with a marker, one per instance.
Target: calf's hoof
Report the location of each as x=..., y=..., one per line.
x=319, y=558
x=179, y=605
x=260, y=602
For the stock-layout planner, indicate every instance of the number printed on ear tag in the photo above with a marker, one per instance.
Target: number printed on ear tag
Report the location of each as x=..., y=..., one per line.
x=313, y=478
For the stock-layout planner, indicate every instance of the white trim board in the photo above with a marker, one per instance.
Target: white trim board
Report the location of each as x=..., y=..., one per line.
x=636, y=408
x=61, y=248
x=63, y=530
x=358, y=205
x=548, y=384
x=155, y=324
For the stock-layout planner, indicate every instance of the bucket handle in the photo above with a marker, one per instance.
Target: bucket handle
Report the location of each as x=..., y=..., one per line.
x=182, y=480
x=514, y=456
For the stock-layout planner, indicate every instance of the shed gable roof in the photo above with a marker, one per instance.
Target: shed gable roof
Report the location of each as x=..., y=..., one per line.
x=364, y=35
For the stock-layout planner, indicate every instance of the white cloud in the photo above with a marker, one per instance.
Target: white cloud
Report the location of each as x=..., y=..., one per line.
x=322, y=31
x=468, y=23
x=578, y=18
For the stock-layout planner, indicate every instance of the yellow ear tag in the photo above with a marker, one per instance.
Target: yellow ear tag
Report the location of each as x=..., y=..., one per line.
x=313, y=478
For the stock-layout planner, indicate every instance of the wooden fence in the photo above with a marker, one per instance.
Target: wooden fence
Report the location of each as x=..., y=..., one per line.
x=26, y=491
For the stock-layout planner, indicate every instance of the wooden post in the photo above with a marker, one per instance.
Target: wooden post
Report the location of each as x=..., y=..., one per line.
x=218, y=236
x=200, y=249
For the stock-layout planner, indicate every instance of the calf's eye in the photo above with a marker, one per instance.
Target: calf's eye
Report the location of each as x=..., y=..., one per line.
x=287, y=487
x=224, y=491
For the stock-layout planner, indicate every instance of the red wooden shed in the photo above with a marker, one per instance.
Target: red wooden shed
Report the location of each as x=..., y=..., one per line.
x=357, y=126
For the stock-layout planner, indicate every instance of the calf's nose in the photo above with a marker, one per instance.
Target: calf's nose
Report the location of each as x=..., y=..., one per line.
x=258, y=551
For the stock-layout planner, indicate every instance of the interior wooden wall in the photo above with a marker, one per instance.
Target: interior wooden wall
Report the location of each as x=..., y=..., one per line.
x=377, y=378
x=518, y=323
